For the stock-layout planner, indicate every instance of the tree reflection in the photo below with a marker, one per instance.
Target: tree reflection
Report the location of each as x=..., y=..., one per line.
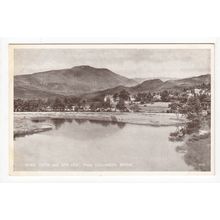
x=121, y=124
x=108, y=123
x=69, y=120
x=103, y=123
x=80, y=121
x=40, y=119
x=58, y=122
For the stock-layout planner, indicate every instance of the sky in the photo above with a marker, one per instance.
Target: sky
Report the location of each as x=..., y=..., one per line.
x=131, y=63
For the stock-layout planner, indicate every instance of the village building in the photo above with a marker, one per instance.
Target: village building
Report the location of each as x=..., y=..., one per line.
x=189, y=95
x=86, y=108
x=49, y=109
x=73, y=107
x=156, y=97
x=132, y=98
x=113, y=101
x=197, y=91
x=109, y=97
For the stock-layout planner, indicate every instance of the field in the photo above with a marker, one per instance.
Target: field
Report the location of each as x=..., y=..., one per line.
x=156, y=107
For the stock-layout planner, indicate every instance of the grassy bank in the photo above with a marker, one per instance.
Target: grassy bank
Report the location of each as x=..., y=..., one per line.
x=24, y=126
x=154, y=119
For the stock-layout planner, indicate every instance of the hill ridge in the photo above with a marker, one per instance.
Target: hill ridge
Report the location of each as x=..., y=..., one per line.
x=155, y=85
x=71, y=81
x=85, y=80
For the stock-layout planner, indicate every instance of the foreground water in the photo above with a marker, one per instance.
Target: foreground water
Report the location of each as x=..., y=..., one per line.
x=83, y=145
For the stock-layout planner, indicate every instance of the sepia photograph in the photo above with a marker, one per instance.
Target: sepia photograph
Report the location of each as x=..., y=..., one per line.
x=111, y=108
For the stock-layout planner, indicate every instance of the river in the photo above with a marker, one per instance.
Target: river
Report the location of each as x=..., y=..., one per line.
x=84, y=145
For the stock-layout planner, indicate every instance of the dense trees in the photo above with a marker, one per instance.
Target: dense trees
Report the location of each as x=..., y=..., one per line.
x=195, y=145
x=165, y=96
x=106, y=104
x=115, y=96
x=193, y=109
x=124, y=95
x=29, y=105
x=121, y=105
x=57, y=104
x=186, y=101
x=144, y=97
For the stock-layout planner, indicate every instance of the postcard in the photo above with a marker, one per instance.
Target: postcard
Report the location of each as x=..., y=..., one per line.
x=111, y=109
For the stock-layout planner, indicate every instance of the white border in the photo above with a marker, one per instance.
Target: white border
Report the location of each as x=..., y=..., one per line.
x=4, y=115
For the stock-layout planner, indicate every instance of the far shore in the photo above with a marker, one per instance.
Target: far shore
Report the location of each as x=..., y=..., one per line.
x=139, y=118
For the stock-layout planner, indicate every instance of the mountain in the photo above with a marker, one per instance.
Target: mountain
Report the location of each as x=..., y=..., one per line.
x=32, y=93
x=148, y=85
x=89, y=82
x=140, y=80
x=75, y=81
x=154, y=85
x=185, y=83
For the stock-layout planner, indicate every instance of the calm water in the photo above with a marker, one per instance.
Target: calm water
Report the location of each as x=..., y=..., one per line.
x=82, y=145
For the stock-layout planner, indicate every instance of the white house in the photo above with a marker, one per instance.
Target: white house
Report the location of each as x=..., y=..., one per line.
x=198, y=91
x=109, y=97
x=157, y=97
x=189, y=95
x=132, y=98
x=49, y=109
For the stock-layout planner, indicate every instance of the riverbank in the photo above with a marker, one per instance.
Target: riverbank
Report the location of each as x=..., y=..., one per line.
x=153, y=119
x=196, y=146
x=25, y=126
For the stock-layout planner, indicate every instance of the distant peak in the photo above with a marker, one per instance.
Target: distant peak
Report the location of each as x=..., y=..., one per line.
x=152, y=80
x=88, y=67
x=82, y=66
x=85, y=67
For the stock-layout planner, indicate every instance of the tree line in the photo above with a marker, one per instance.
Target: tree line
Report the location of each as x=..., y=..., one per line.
x=77, y=103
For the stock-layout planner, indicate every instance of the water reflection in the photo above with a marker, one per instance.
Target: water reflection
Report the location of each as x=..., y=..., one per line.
x=121, y=124
x=80, y=121
x=69, y=120
x=108, y=123
x=58, y=122
x=142, y=148
x=38, y=120
x=196, y=148
x=19, y=135
x=93, y=129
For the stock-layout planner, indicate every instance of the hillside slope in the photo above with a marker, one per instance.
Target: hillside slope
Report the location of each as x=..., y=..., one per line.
x=186, y=82
x=74, y=81
x=155, y=85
